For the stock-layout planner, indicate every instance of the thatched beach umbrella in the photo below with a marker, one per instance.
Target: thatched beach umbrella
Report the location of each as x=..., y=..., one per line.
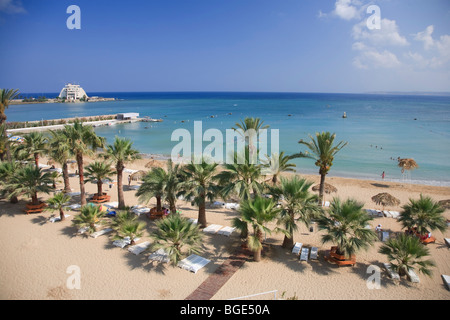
x=407, y=164
x=327, y=188
x=445, y=203
x=385, y=199
x=138, y=175
x=154, y=164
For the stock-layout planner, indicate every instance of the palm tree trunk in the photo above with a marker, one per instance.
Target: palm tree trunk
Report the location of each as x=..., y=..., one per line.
x=158, y=204
x=120, y=187
x=322, y=187
x=81, y=176
x=99, y=188
x=62, y=215
x=288, y=242
x=34, y=199
x=14, y=199
x=257, y=252
x=202, y=212
x=65, y=168
x=36, y=159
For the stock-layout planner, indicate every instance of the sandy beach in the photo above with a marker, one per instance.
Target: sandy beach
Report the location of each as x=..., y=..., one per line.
x=36, y=255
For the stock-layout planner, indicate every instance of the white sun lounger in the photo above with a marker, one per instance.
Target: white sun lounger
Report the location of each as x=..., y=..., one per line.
x=139, y=211
x=413, y=276
x=313, y=254
x=387, y=214
x=234, y=206
x=101, y=232
x=297, y=247
x=394, y=275
x=447, y=241
x=194, y=221
x=394, y=214
x=304, y=254
x=159, y=255
x=111, y=204
x=193, y=263
x=139, y=248
x=58, y=218
x=384, y=236
x=446, y=280
x=213, y=228
x=226, y=231
x=122, y=243
x=72, y=194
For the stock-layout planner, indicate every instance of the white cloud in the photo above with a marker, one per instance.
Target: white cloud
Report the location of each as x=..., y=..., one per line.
x=426, y=37
x=387, y=35
x=347, y=9
x=372, y=58
x=11, y=6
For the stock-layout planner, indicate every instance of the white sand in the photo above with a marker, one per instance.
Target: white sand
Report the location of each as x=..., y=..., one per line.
x=35, y=255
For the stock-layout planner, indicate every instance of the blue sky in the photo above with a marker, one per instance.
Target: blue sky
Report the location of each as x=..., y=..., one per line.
x=226, y=45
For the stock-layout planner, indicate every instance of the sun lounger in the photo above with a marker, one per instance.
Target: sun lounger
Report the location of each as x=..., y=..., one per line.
x=72, y=194
x=313, y=253
x=447, y=241
x=122, y=243
x=304, y=254
x=226, y=231
x=74, y=206
x=297, y=248
x=234, y=206
x=141, y=210
x=194, y=221
x=213, y=228
x=392, y=274
x=58, y=218
x=160, y=255
x=139, y=248
x=111, y=204
x=413, y=276
x=101, y=232
x=193, y=263
x=446, y=280
x=394, y=214
x=384, y=236
x=387, y=214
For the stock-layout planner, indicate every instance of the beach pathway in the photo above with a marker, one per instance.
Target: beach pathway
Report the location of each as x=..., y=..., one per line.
x=215, y=281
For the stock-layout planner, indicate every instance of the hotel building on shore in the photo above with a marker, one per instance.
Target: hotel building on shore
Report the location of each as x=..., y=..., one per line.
x=72, y=92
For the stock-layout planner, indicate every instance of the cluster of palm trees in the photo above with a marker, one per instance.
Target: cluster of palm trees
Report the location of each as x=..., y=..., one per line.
x=276, y=201
x=22, y=175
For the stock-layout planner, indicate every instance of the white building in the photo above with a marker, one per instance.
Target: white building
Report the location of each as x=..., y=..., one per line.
x=127, y=116
x=72, y=92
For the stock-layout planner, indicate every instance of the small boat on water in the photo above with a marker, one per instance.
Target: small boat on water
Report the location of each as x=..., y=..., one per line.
x=345, y=115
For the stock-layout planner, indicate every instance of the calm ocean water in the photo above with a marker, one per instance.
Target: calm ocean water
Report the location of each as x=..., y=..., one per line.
x=379, y=128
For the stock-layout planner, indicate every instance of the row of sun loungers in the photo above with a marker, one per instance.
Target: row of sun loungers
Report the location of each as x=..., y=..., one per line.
x=57, y=218
x=304, y=252
x=383, y=213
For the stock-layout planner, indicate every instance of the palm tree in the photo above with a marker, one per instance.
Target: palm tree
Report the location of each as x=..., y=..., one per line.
x=153, y=185
x=240, y=177
x=35, y=144
x=423, y=215
x=58, y=202
x=131, y=229
x=298, y=204
x=121, y=217
x=173, y=184
x=59, y=151
x=8, y=170
x=322, y=151
x=199, y=185
x=257, y=213
x=89, y=216
x=249, y=128
x=6, y=95
x=405, y=252
x=277, y=164
x=345, y=225
x=4, y=141
x=121, y=152
x=96, y=172
x=29, y=181
x=82, y=140
x=177, y=236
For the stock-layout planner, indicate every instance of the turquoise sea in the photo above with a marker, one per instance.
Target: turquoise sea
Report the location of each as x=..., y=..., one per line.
x=379, y=127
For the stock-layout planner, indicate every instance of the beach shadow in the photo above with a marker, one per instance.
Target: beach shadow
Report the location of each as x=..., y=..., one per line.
x=40, y=220
x=379, y=185
x=70, y=231
x=12, y=209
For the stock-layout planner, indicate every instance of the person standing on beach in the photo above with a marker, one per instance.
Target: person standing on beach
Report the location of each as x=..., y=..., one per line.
x=383, y=175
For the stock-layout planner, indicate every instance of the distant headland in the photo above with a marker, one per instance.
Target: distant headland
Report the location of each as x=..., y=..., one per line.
x=71, y=93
